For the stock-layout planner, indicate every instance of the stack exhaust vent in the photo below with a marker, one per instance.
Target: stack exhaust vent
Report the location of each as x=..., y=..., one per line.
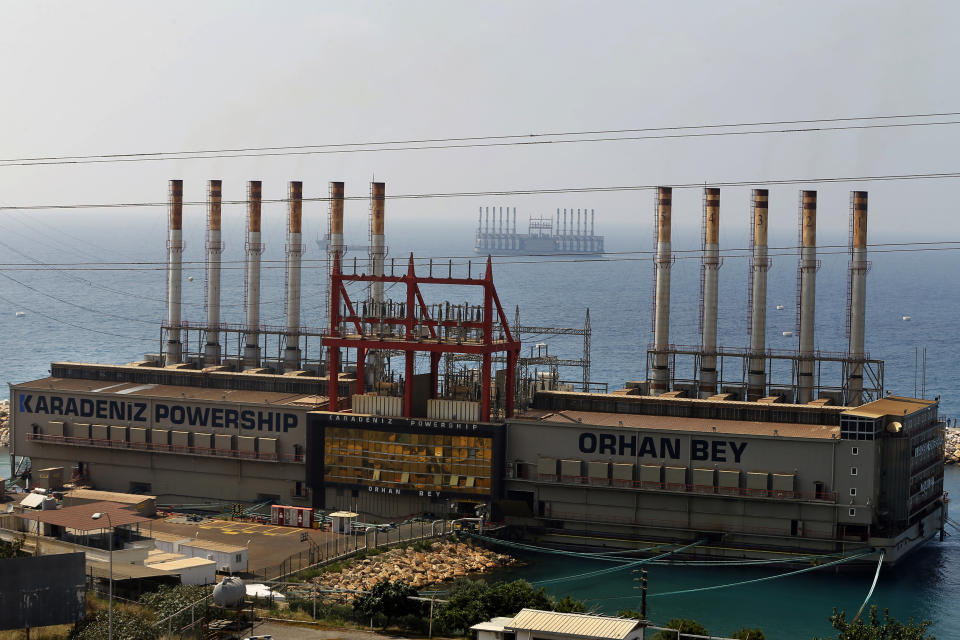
x=662, y=264
x=759, y=265
x=710, y=271
x=173, y=350
x=808, y=293
x=211, y=353
x=857, y=307
x=251, y=350
x=291, y=354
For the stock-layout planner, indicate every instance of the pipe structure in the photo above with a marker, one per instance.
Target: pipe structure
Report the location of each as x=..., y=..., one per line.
x=711, y=268
x=291, y=354
x=759, y=265
x=335, y=247
x=251, y=350
x=211, y=349
x=173, y=351
x=808, y=294
x=378, y=248
x=662, y=263
x=858, y=296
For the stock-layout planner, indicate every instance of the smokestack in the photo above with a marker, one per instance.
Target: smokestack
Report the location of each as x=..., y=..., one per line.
x=174, y=350
x=335, y=247
x=377, y=245
x=291, y=355
x=808, y=291
x=759, y=265
x=211, y=351
x=858, y=294
x=251, y=351
x=708, y=314
x=662, y=262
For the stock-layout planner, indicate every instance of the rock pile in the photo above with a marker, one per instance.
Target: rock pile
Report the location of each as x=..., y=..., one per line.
x=952, y=446
x=4, y=423
x=443, y=561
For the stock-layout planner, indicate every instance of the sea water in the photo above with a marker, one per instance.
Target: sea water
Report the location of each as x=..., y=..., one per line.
x=113, y=315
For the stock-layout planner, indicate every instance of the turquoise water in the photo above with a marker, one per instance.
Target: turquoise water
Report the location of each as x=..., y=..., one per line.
x=924, y=587
x=121, y=311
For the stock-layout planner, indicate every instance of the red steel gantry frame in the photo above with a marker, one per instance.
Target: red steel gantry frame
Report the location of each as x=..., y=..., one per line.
x=413, y=341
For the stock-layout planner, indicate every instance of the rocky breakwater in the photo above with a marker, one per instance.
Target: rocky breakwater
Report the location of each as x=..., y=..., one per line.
x=4, y=423
x=439, y=562
x=952, y=446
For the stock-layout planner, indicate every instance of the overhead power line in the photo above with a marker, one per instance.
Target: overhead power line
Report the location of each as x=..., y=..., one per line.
x=505, y=140
x=520, y=192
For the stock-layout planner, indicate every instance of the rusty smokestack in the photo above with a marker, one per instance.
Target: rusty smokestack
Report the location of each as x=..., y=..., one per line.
x=708, y=314
x=378, y=247
x=291, y=353
x=335, y=245
x=211, y=350
x=251, y=351
x=662, y=264
x=858, y=294
x=808, y=294
x=759, y=265
x=173, y=351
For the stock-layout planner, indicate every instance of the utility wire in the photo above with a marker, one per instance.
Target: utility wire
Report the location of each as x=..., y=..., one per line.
x=15, y=305
x=520, y=192
x=608, y=135
x=320, y=262
x=160, y=267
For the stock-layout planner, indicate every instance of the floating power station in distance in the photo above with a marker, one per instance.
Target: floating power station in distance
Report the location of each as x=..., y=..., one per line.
x=573, y=232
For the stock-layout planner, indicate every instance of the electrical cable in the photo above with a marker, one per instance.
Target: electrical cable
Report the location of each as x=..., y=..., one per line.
x=745, y=582
x=518, y=192
x=73, y=304
x=71, y=324
x=603, y=572
x=473, y=142
x=873, y=586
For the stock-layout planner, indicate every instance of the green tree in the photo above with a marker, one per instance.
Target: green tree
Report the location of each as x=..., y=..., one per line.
x=390, y=598
x=473, y=601
x=683, y=625
x=629, y=613
x=875, y=628
x=126, y=625
x=746, y=633
x=508, y=598
x=569, y=605
x=11, y=549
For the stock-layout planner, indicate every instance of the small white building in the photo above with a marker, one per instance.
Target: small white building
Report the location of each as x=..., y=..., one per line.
x=552, y=625
x=228, y=557
x=190, y=570
x=342, y=521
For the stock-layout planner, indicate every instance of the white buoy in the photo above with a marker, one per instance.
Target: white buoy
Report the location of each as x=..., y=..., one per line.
x=787, y=334
x=20, y=314
x=779, y=307
x=190, y=278
x=906, y=318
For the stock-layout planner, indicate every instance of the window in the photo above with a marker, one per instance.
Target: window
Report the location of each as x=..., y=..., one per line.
x=853, y=513
x=239, y=557
x=853, y=491
x=855, y=451
x=853, y=471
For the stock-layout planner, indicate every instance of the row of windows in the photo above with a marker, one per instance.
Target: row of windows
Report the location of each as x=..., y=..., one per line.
x=407, y=480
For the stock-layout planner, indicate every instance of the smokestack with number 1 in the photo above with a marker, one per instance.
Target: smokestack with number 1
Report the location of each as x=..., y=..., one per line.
x=708, y=315
x=291, y=353
x=211, y=350
x=858, y=295
x=173, y=350
x=759, y=265
x=251, y=351
x=808, y=294
x=662, y=264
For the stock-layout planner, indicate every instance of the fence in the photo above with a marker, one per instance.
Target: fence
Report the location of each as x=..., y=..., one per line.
x=341, y=547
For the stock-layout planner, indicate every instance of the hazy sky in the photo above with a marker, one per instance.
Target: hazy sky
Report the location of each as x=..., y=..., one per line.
x=119, y=77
